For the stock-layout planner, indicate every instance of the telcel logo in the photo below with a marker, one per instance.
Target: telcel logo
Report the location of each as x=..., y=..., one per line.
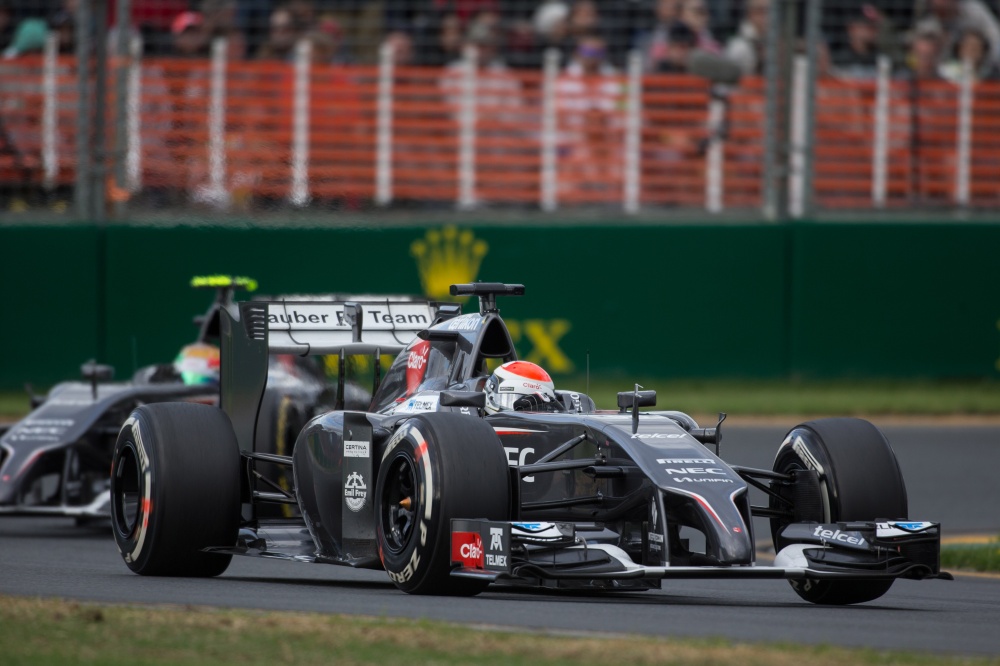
x=837, y=535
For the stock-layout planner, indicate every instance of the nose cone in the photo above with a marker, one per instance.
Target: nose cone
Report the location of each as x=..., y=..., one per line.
x=727, y=536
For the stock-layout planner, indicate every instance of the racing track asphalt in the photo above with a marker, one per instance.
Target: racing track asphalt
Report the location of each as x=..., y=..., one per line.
x=951, y=477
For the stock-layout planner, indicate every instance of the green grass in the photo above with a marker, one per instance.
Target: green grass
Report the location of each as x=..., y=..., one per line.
x=35, y=631
x=845, y=398
x=972, y=556
x=763, y=397
x=13, y=404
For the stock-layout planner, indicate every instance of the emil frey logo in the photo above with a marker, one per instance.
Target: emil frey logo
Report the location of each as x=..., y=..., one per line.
x=355, y=492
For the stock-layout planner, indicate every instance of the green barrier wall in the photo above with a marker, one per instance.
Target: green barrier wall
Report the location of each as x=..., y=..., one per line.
x=895, y=300
x=676, y=301
x=49, y=320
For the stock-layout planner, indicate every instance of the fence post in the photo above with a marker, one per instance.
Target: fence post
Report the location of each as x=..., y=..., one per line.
x=299, y=194
x=81, y=191
x=772, y=203
x=467, y=130
x=123, y=21
x=880, y=142
x=964, y=136
x=217, y=124
x=714, y=178
x=633, y=134
x=798, y=138
x=99, y=165
x=383, y=148
x=807, y=148
x=549, y=138
x=50, y=103
x=133, y=157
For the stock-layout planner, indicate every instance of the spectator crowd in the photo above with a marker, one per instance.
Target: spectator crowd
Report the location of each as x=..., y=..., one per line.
x=924, y=39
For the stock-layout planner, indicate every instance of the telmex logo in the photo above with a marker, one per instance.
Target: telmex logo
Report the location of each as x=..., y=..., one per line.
x=450, y=256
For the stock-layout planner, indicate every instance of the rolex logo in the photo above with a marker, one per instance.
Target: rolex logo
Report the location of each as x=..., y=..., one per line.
x=445, y=257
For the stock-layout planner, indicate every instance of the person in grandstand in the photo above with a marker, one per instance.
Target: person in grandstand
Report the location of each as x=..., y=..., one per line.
x=973, y=48
x=521, y=386
x=953, y=17
x=746, y=47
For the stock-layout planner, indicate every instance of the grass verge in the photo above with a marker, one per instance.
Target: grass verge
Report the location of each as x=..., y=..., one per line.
x=972, y=556
x=36, y=631
x=840, y=398
x=762, y=397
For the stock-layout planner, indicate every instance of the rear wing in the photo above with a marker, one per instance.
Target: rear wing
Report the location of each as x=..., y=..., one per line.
x=253, y=330
x=360, y=327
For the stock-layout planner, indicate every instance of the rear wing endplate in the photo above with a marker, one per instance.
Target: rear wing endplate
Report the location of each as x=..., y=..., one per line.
x=251, y=331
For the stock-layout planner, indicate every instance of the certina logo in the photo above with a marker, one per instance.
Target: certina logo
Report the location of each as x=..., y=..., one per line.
x=355, y=492
x=837, y=535
x=355, y=449
x=658, y=435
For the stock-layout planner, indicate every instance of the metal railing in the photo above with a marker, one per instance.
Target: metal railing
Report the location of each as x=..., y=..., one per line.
x=242, y=135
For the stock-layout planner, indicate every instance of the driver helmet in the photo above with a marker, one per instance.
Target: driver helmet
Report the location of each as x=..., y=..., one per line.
x=198, y=363
x=520, y=385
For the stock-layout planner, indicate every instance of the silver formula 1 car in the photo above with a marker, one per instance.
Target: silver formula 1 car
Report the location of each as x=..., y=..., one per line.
x=55, y=461
x=449, y=499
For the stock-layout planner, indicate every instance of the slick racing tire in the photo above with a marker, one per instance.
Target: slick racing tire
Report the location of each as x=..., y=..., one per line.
x=175, y=489
x=436, y=467
x=859, y=480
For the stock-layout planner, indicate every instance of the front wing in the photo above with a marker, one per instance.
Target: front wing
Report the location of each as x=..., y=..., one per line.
x=534, y=553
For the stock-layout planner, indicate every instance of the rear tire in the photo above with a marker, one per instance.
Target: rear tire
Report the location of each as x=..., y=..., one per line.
x=175, y=489
x=859, y=481
x=437, y=467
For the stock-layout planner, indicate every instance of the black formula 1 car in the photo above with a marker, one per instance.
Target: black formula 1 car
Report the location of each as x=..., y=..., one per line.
x=449, y=499
x=55, y=461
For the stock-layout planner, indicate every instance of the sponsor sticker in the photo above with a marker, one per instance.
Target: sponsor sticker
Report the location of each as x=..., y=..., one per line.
x=355, y=449
x=467, y=549
x=355, y=492
x=496, y=557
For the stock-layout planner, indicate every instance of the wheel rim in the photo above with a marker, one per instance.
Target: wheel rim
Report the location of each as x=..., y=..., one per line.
x=400, y=504
x=126, y=491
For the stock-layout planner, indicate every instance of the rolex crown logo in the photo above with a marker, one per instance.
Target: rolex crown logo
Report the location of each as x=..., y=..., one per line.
x=445, y=257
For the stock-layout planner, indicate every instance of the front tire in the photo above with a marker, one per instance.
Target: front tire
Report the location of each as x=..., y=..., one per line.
x=859, y=480
x=175, y=489
x=437, y=467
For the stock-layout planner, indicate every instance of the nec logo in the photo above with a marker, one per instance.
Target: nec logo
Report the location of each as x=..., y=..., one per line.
x=658, y=435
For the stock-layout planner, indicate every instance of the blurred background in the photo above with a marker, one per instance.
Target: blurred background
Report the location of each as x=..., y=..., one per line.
x=735, y=188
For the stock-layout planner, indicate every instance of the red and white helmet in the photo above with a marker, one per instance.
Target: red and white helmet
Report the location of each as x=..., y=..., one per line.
x=520, y=385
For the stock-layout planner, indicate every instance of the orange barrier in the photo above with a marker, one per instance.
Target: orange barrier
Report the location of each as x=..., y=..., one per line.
x=250, y=155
